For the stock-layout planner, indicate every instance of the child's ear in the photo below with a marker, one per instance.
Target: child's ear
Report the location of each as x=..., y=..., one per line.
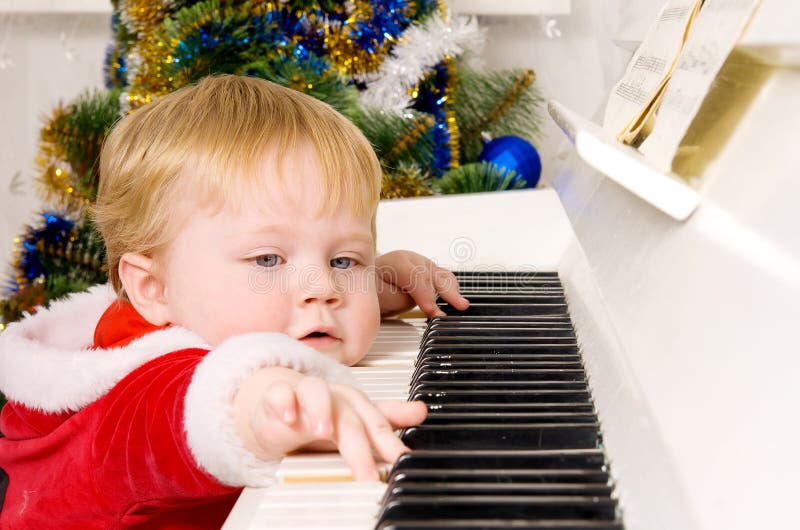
x=145, y=290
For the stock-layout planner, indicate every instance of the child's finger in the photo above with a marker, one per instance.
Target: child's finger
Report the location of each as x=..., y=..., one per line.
x=446, y=284
x=314, y=398
x=403, y=413
x=420, y=286
x=279, y=402
x=353, y=444
x=380, y=428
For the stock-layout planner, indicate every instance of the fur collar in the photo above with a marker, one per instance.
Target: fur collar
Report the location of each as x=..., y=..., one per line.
x=47, y=361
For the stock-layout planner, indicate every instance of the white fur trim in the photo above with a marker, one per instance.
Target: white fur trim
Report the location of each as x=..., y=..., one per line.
x=47, y=362
x=209, y=424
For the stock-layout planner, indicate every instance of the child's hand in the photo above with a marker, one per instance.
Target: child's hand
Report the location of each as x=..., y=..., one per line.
x=406, y=279
x=290, y=410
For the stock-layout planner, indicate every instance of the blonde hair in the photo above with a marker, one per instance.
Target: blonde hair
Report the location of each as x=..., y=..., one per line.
x=207, y=141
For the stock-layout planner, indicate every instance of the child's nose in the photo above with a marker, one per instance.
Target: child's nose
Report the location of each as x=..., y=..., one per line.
x=320, y=288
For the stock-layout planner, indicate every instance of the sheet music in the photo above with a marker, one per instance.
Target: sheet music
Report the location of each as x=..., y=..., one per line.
x=634, y=98
x=713, y=34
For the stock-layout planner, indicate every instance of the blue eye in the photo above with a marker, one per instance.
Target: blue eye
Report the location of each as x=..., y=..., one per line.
x=342, y=263
x=269, y=260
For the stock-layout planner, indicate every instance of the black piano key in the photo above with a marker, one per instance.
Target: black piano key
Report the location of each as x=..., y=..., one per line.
x=492, y=436
x=499, y=341
x=498, y=364
x=514, y=298
x=520, y=330
x=521, y=274
x=513, y=337
x=445, y=386
x=501, y=476
x=429, y=370
x=500, y=396
x=404, y=507
x=498, y=358
x=492, y=285
x=482, y=309
x=499, y=524
x=489, y=488
x=511, y=407
x=505, y=321
x=502, y=418
x=449, y=386
x=502, y=374
x=560, y=318
x=521, y=289
x=497, y=349
x=484, y=284
x=485, y=323
x=538, y=334
x=494, y=377
x=508, y=459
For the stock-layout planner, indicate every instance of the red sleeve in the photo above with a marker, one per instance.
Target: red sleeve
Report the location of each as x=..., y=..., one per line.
x=139, y=450
x=123, y=459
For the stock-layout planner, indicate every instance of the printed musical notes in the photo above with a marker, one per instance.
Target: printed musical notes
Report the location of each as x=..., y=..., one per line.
x=713, y=35
x=667, y=79
x=635, y=98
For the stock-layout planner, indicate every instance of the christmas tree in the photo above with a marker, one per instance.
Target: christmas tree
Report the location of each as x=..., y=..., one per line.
x=397, y=69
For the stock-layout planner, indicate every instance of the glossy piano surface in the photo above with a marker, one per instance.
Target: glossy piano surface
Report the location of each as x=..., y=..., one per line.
x=706, y=310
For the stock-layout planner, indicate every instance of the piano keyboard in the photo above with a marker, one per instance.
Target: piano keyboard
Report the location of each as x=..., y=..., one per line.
x=511, y=439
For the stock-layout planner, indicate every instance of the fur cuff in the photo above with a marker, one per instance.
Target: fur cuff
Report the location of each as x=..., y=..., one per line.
x=209, y=424
x=47, y=361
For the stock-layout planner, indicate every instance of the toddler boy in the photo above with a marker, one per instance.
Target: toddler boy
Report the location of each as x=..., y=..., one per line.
x=239, y=221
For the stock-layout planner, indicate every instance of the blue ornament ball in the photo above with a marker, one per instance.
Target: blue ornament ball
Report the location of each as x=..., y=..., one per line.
x=514, y=153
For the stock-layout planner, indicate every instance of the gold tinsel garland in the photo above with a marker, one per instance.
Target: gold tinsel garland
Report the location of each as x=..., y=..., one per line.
x=449, y=107
x=143, y=16
x=56, y=175
x=423, y=125
x=406, y=181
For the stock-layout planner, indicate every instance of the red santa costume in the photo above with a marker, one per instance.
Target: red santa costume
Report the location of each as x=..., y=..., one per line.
x=115, y=423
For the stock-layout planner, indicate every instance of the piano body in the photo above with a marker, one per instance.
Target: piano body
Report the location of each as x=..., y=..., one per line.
x=686, y=327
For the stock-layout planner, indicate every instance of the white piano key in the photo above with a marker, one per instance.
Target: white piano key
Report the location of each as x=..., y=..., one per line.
x=406, y=353
x=318, y=467
x=374, y=382
x=392, y=386
x=390, y=346
x=352, y=506
x=387, y=371
x=382, y=360
x=386, y=394
x=352, y=522
x=293, y=507
x=344, y=491
x=395, y=349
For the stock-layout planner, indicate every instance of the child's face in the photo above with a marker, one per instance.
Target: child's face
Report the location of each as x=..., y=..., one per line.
x=277, y=264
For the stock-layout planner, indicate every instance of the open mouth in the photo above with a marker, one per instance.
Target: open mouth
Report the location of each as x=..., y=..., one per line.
x=319, y=339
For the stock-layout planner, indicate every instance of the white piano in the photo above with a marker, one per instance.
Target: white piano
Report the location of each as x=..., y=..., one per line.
x=687, y=327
